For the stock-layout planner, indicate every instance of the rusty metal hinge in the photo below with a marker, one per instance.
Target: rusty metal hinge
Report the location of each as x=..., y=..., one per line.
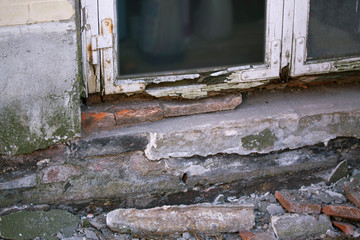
x=100, y=42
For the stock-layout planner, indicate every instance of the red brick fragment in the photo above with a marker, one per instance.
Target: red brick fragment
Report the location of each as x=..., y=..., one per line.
x=138, y=113
x=342, y=211
x=247, y=235
x=345, y=227
x=352, y=191
x=292, y=201
x=91, y=121
x=190, y=107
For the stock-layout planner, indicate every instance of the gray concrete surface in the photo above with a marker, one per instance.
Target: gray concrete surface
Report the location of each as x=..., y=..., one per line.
x=39, y=95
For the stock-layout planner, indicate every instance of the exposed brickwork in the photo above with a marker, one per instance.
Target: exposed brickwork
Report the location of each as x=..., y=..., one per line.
x=247, y=235
x=129, y=115
x=352, y=191
x=126, y=113
x=345, y=227
x=33, y=11
x=91, y=121
x=220, y=103
x=292, y=201
x=342, y=211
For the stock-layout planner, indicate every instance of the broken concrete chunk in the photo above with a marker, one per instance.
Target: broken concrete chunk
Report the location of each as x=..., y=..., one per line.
x=296, y=226
x=198, y=218
x=274, y=209
x=339, y=172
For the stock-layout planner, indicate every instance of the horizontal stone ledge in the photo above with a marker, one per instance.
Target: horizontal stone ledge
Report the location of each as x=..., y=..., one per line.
x=26, y=181
x=264, y=123
x=109, y=143
x=191, y=218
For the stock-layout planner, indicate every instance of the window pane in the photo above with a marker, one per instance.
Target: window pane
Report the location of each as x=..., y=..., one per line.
x=334, y=29
x=171, y=35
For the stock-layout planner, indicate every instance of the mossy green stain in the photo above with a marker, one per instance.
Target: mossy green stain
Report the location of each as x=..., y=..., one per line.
x=17, y=137
x=259, y=141
x=37, y=224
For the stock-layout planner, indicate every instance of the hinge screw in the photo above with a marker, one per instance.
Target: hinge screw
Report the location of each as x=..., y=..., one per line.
x=309, y=69
x=276, y=44
x=299, y=59
x=245, y=75
x=108, y=60
x=109, y=78
x=301, y=41
x=275, y=62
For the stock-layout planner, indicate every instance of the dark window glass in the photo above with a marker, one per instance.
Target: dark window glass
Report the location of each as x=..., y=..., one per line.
x=334, y=29
x=173, y=35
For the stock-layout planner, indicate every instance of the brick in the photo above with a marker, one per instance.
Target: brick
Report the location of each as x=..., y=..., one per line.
x=247, y=235
x=200, y=218
x=59, y=173
x=51, y=10
x=14, y=14
x=292, y=201
x=137, y=113
x=190, y=107
x=345, y=227
x=342, y=211
x=296, y=226
x=352, y=191
x=92, y=121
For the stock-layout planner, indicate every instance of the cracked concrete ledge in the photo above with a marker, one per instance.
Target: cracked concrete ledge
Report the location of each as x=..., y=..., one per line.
x=265, y=123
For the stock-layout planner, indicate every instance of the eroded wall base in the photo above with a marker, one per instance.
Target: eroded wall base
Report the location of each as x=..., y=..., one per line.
x=273, y=141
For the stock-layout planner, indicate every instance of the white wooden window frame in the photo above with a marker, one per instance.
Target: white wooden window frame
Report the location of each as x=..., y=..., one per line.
x=301, y=11
x=114, y=83
x=286, y=34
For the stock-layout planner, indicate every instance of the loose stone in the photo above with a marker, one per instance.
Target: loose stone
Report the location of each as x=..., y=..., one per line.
x=339, y=172
x=295, y=226
x=198, y=218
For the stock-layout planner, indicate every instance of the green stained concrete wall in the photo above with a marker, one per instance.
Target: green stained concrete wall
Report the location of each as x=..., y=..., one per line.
x=39, y=93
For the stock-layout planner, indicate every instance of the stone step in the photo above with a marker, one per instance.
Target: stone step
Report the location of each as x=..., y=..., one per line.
x=272, y=121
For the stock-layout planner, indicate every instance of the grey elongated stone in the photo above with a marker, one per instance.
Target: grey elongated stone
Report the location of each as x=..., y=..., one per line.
x=296, y=226
x=199, y=218
x=26, y=181
x=339, y=172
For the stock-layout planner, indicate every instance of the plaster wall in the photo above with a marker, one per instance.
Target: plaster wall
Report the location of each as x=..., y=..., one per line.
x=39, y=96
